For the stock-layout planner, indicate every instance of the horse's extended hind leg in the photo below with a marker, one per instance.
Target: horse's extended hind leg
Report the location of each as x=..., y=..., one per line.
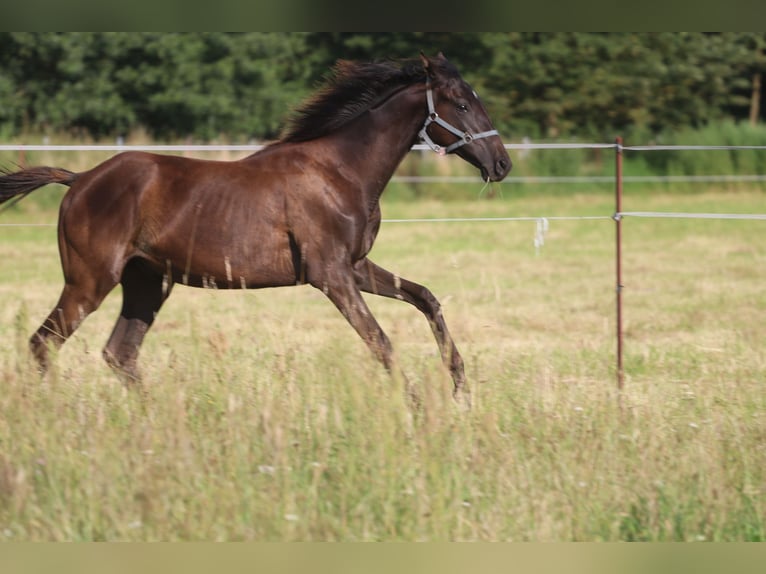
x=76, y=302
x=372, y=278
x=143, y=293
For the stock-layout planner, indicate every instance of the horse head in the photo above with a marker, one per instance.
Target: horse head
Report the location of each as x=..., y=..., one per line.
x=457, y=121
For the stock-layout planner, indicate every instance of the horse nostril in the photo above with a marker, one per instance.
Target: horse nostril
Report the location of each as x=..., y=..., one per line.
x=502, y=167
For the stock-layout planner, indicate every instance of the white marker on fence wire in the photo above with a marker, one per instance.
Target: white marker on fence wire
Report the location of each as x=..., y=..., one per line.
x=542, y=229
x=540, y=220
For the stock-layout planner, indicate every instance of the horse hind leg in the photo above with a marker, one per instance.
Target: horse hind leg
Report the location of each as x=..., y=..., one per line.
x=76, y=302
x=143, y=293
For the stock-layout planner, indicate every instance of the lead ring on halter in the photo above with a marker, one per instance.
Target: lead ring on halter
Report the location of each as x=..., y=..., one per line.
x=465, y=136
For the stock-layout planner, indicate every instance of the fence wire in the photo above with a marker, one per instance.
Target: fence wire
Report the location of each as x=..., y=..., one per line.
x=618, y=147
x=541, y=222
x=417, y=147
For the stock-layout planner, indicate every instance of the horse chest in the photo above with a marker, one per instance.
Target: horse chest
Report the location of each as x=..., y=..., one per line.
x=370, y=232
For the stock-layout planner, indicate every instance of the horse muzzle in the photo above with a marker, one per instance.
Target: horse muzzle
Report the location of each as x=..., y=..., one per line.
x=498, y=170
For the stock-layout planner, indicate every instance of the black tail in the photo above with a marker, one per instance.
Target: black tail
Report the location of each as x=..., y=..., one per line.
x=16, y=186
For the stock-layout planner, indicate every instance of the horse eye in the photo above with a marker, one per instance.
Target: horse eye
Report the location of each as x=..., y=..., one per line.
x=462, y=108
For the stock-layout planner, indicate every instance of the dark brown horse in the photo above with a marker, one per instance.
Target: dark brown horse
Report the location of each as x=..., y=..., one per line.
x=304, y=209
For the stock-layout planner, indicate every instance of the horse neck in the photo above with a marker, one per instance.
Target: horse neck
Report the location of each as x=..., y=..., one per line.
x=375, y=144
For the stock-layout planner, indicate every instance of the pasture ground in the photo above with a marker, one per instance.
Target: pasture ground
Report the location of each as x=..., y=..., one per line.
x=266, y=418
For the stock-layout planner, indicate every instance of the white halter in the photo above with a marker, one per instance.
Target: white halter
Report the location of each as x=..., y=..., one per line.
x=433, y=117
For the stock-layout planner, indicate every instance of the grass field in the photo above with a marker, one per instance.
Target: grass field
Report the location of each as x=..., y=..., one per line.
x=267, y=419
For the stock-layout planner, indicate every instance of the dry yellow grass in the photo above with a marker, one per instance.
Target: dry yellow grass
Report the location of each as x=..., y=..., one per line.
x=266, y=419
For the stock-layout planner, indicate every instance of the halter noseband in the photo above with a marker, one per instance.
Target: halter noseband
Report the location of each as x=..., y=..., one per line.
x=465, y=136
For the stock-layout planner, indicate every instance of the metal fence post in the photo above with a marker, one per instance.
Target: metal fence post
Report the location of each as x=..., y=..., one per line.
x=618, y=257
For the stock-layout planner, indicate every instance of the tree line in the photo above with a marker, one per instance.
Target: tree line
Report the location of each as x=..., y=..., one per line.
x=242, y=86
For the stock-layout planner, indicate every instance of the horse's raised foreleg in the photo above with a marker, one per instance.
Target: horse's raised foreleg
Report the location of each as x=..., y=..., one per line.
x=342, y=290
x=372, y=278
x=143, y=293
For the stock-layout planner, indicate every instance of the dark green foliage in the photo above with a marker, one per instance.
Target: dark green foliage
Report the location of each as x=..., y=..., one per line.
x=241, y=86
x=174, y=85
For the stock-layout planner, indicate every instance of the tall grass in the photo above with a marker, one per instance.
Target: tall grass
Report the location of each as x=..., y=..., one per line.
x=265, y=418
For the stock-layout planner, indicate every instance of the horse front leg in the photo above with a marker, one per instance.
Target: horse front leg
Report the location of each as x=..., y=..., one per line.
x=341, y=289
x=372, y=278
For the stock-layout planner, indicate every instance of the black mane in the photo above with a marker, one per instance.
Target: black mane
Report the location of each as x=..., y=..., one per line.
x=350, y=89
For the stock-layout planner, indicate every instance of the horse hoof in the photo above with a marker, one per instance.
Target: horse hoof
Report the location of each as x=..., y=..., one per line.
x=462, y=397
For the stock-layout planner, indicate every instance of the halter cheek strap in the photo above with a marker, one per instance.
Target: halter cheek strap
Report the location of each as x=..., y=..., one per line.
x=465, y=136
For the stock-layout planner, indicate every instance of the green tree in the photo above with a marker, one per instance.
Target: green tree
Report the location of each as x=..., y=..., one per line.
x=587, y=84
x=206, y=85
x=62, y=81
x=243, y=85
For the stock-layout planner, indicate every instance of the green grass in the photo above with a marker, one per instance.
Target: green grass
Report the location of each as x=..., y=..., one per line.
x=266, y=419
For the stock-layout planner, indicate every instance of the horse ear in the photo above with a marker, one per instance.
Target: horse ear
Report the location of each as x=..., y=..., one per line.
x=440, y=55
x=427, y=65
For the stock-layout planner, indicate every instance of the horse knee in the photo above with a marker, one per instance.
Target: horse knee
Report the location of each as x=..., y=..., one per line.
x=427, y=302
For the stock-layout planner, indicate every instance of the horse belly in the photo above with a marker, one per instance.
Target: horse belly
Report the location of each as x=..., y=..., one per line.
x=216, y=226
x=228, y=262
